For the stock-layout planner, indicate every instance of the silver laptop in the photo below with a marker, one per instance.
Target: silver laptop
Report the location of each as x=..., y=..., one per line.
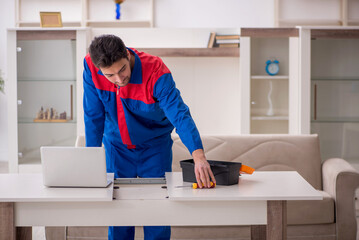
x=74, y=167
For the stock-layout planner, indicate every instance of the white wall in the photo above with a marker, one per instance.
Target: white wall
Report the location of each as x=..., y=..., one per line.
x=214, y=14
x=168, y=14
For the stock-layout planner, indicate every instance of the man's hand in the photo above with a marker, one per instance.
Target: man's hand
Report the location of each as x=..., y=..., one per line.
x=202, y=169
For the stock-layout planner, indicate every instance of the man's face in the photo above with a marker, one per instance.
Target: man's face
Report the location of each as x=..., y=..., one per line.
x=119, y=72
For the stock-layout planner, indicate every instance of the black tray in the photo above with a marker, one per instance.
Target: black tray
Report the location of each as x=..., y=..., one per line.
x=226, y=173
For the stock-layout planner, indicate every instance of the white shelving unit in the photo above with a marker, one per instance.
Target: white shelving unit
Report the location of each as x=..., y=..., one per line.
x=28, y=12
x=266, y=77
x=284, y=118
x=83, y=13
x=44, y=69
x=332, y=88
x=134, y=13
x=259, y=90
x=289, y=13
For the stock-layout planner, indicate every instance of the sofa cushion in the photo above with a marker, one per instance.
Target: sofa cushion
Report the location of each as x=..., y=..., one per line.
x=263, y=152
x=311, y=211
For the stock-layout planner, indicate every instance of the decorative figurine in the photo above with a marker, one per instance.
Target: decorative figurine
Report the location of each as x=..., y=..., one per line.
x=63, y=115
x=56, y=115
x=118, y=8
x=40, y=113
x=48, y=114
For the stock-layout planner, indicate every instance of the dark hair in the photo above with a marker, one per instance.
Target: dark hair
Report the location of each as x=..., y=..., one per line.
x=105, y=50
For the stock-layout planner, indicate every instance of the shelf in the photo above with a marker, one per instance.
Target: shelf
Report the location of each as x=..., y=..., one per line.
x=296, y=22
x=51, y=120
x=39, y=33
x=267, y=77
x=269, y=32
x=45, y=80
x=336, y=33
x=192, y=52
x=261, y=118
x=29, y=161
x=37, y=24
x=336, y=120
x=353, y=21
x=334, y=79
x=118, y=23
x=31, y=121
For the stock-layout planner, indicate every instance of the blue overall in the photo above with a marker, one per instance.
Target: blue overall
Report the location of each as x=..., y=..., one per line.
x=135, y=122
x=143, y=161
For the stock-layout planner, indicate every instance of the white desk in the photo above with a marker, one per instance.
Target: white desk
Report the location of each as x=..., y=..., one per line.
x=258, y=200
x=260, y=186
x=29, y=188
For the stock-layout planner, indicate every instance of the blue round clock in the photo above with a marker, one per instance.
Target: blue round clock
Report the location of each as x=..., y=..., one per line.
x=272, y=67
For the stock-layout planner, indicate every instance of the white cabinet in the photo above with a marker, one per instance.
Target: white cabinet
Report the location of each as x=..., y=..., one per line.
x=334, y=91
x=45, y=70
x=269, y=103
x=95, y=13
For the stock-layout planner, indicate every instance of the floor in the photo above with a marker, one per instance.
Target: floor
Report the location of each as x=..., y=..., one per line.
x=38, y=233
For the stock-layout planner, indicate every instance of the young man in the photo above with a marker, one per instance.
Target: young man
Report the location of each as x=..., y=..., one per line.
x=131, y=105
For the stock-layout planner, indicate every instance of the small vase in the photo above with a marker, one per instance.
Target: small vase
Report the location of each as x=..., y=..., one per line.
x=118, y=11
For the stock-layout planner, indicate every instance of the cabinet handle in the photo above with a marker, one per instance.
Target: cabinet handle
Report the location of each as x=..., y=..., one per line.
x=72, y=101
x=315, y=101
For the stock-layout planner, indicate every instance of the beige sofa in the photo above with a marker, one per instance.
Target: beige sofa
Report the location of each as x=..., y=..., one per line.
x=332, y=218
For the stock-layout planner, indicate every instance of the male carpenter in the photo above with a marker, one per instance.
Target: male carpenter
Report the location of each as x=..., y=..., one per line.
x=131, y=105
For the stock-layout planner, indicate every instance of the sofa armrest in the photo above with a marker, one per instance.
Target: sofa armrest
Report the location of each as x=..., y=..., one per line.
x=340, y=180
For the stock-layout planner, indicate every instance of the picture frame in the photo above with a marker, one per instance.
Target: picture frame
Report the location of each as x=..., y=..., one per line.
x=50, y=19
